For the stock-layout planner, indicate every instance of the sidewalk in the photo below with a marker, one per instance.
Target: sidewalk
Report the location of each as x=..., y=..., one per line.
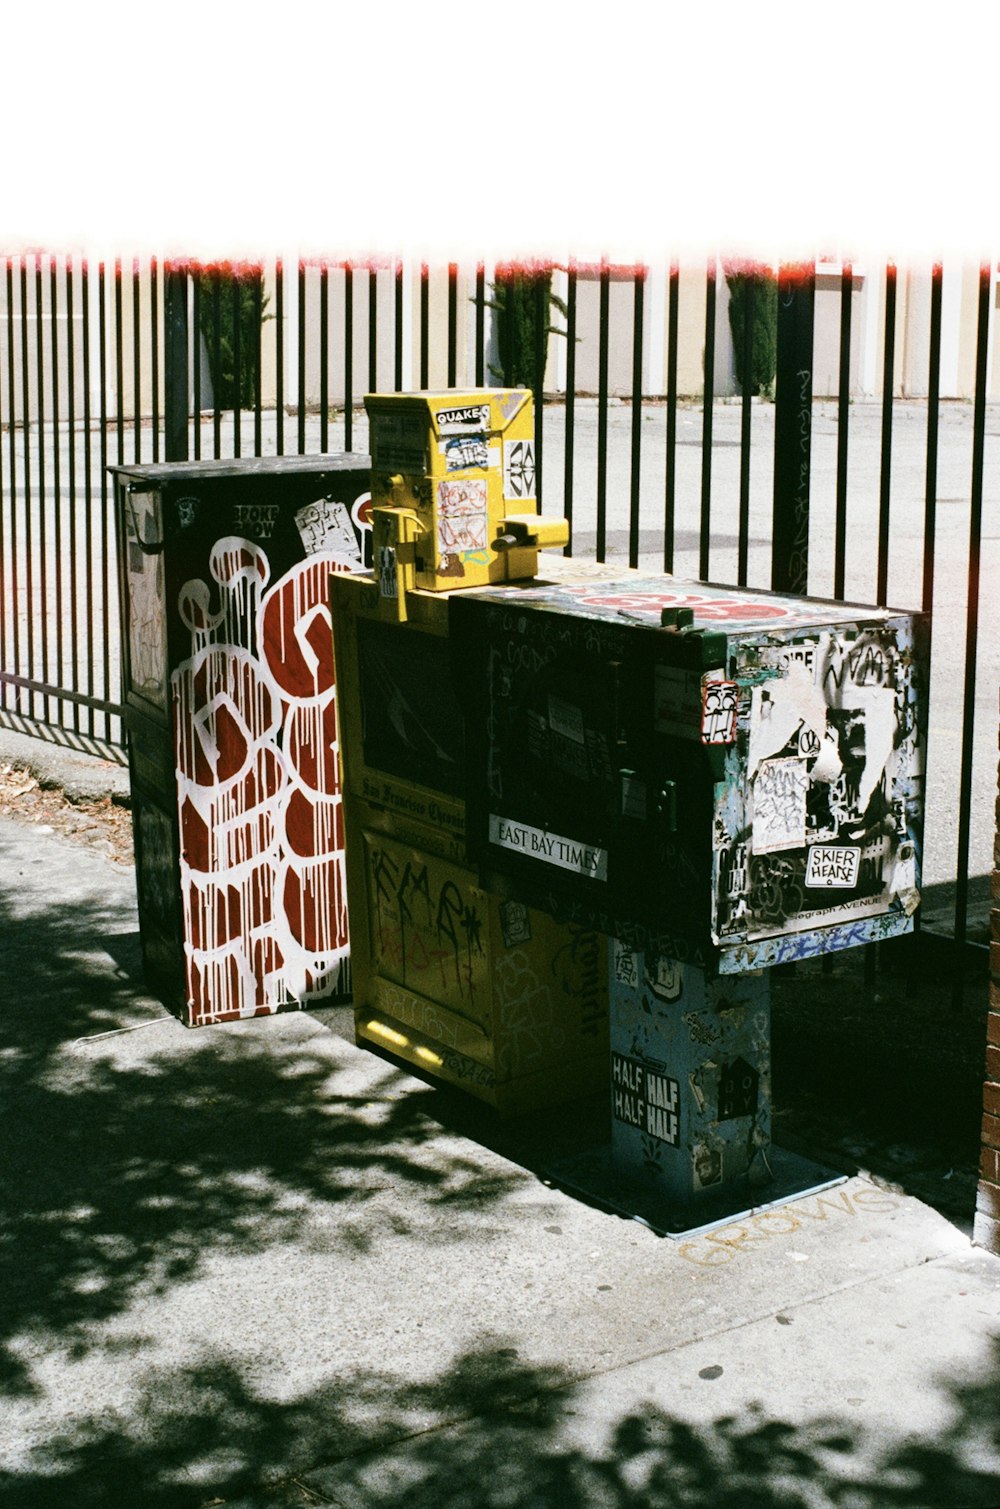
x=252, y=1265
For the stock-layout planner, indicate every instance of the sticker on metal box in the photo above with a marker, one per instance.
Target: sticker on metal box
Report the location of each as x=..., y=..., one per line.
x=833, y=865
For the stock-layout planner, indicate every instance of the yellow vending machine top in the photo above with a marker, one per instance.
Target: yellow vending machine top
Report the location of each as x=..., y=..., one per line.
x=453, y=491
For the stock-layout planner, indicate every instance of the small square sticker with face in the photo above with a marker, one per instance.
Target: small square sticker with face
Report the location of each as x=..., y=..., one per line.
x=515, y=923
x=718, y=712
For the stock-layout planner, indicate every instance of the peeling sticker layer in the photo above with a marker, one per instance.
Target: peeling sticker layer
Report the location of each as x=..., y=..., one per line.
x=779, y=805
x=465, y=451
x=326, y=526
x=462, y=510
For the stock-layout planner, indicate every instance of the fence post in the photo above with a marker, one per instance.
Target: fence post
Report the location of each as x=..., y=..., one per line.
x=175, y=363
x=793, y=427
x=986, y=1229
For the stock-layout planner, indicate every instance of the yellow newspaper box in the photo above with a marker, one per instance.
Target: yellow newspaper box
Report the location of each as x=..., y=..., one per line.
x=453, y=490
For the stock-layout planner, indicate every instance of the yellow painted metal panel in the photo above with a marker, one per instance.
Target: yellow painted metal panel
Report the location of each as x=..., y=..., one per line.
x=457, y=972
x=447, y=468
x=467, y=986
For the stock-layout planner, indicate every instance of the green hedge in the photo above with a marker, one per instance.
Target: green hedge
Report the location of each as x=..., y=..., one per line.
x=764, y=324
x=520, y=291
x=241, y=307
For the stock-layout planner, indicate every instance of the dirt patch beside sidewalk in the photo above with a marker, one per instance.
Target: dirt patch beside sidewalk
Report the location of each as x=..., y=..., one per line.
x=100, y=823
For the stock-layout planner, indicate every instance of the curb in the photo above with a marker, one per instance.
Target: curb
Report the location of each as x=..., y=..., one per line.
x=81, y=775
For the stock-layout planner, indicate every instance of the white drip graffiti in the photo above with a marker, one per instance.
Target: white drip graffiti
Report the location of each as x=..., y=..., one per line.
x=262, y=864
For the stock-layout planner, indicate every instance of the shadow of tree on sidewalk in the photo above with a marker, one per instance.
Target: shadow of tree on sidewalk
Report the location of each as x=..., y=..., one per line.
x=884, y=1072
x=126, y=1166
x=507, y=1437
x=133, y=1160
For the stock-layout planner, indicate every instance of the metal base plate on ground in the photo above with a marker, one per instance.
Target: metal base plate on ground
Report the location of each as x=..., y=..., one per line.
x=591, y=1176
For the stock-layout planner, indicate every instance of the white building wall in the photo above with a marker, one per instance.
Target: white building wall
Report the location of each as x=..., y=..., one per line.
x=960, y=290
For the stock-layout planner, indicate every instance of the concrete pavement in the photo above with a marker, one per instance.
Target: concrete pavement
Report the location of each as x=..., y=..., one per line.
x=253, y=1265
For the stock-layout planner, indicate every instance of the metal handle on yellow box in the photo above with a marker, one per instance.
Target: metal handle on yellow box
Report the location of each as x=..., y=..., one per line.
x=535, y=530
x=403, y=528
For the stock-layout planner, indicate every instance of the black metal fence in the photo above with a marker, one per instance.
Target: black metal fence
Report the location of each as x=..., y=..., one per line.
x=137, y=362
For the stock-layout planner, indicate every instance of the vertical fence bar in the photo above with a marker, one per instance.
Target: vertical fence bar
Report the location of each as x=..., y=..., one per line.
x=5, y=595
x=25, y=697
x=217, y=361
x=424, y=324
x=503, y=292
x=843, y=415
x=154, y=334
x=933, y=418
x=746, y=412
x=42, y=493
x=705, y=534
x=885, y=475
x=480, y=324
x=71, y=487
x=971, y=630
x=324, y=358
x=26, y=432
x=397, y=369
x=74, y=532
x=372, y=329
x=258, y=337
x=102, y=518
x=670, y=480
x=196, y=358
x=102, y=315
x=57, y=498
x=119, y=369
x=88, y=499
x=154, y=337
x=9, y=598
x=302, y=361
x=12, y=482
x=136, y=365
x=602, y=413
x=541, y=313
x=452, y=323
x=235, y=323
x=175, y=363
x=348, y=356
x=570, y=409
x=638, y=287
x=793, y=429
x=41, y=489
x=930, y=511
x=279, y=357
